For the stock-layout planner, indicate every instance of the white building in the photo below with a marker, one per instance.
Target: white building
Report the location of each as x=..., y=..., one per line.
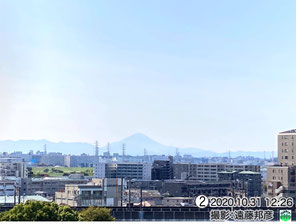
x=138, y=171
x=12, y=167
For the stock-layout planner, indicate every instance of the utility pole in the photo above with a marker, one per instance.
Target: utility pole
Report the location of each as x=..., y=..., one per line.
x=4, y=188
x=19, y=194
x=141, y=196
x=14, y=195
x=121, y=195
x=129, y=193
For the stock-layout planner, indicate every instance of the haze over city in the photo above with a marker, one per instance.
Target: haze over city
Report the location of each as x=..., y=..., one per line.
x=215, y=75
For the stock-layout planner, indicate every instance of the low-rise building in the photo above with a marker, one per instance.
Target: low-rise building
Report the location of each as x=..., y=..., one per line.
x=9, y=186
x=99, y=192
x=193, y=188
x=247, y=183
x=137, y=196
x=81, y=195
x=178, y=201
x=47, y=186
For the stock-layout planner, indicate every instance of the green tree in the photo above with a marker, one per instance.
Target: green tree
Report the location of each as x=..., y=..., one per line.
x=39, y=211
x=67, y=214
x=95, y=214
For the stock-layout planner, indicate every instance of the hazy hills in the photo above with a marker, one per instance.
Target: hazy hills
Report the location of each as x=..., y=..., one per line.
x=134, y=145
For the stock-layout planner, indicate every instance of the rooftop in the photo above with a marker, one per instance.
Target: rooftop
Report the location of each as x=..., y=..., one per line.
x=292, y=131
x=228, y=172
x=249, y=172
x=10, y=199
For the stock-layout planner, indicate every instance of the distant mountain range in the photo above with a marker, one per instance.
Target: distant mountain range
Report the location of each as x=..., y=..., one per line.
x=134, y=145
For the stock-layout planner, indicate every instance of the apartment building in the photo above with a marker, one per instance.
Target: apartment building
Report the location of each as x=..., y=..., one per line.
x=99, y=192
x=247, y=183
x=138, y=171
x=162, y=169
x=12, y=167
x=80, y=161
x=287, y=148
x=193, y=188
x=53, y=159
x=81, y=195
x=208, y=172
x=281, y=177
x=281, y=181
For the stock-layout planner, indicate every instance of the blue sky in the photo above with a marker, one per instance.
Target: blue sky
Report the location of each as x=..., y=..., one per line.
x=217, y=75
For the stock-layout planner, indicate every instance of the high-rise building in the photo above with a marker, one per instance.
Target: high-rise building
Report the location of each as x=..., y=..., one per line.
x=281, y=178
x=287, y=148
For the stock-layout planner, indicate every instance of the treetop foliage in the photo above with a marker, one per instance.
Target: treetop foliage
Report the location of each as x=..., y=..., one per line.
x=50, y=211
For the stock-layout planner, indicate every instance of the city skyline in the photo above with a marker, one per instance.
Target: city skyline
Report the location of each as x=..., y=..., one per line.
x=212, y=75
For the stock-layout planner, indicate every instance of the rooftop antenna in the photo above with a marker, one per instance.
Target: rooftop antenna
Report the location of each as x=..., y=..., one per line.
x=123, y=151
x=229, y=156
x=97, y=149
x=264, y=155
x=145, y=152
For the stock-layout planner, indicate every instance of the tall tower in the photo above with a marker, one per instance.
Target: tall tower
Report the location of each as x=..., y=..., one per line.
x=97, y=149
